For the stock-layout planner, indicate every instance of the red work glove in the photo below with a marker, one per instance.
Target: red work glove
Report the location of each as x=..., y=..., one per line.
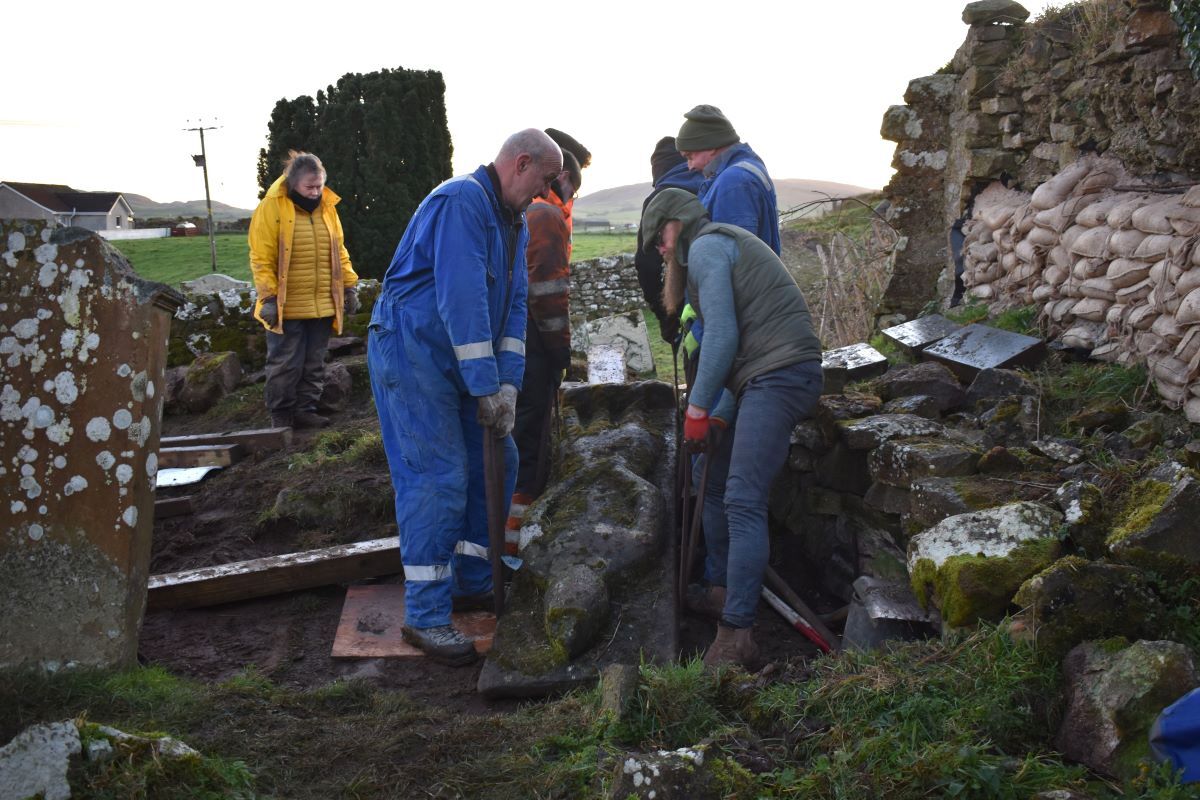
x=695, y=428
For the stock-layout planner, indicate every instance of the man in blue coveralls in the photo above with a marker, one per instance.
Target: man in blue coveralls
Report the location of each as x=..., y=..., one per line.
x=446, y=353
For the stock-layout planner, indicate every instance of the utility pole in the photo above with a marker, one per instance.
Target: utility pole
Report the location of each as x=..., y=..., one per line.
x=202, y=161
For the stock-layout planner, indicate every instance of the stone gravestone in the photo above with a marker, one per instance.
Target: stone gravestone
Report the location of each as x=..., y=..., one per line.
x=626, y=332
x=83, y=348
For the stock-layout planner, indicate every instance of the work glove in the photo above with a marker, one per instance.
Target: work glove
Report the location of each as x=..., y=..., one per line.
x=350, y=304
x=269, y=312
x=499, y=411
x=696, y=423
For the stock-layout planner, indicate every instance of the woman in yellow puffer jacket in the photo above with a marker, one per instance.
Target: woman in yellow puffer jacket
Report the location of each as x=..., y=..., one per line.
x=305, y=284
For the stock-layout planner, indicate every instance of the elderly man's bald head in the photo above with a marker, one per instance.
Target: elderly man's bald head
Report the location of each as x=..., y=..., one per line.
x=527, y=163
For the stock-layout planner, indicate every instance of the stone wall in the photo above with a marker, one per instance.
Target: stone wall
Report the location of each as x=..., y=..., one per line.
x=604, y=286
x=1019, y=102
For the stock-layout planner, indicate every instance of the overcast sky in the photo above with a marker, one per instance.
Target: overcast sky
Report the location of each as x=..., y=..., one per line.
x=97, y=95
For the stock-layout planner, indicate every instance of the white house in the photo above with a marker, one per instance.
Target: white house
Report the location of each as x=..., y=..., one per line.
x=96, y=211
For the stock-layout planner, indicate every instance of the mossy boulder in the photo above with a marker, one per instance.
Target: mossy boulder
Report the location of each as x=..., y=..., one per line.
x=1108, y=414
x=969, y=566
x=210, y=377
x=1157, y=527
x=1114, y=693
x=1082, y=504
x=1075, y=600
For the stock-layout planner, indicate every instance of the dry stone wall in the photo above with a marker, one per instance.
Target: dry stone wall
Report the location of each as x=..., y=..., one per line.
x=1019, y=103
x=601, y=287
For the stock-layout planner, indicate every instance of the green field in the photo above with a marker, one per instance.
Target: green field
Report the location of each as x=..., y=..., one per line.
x=178, y=259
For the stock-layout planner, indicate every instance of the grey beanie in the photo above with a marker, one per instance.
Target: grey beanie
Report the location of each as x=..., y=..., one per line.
x=704, y=128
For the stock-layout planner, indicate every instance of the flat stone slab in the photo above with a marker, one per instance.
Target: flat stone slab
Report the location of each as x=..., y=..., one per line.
x=214, y=283
x=371, y=619
x=606, y=364
x=914, y=336
x=626, y=332
x=979, y=347
x=856, y=362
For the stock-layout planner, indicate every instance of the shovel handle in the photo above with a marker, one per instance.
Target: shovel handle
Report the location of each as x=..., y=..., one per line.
x=493, y=485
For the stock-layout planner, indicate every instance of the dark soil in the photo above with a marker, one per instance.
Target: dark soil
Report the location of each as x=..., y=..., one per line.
x=288, y=638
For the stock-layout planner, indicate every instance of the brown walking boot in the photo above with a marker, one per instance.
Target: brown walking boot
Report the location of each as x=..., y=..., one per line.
x=732, y=647
x=708, y=602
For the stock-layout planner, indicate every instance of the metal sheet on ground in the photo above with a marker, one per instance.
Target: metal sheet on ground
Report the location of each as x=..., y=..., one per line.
x=371, y=618
x=181, y=476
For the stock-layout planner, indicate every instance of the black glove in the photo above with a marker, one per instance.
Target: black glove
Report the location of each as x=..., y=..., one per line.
x=559, y=358
x=269, y=312
x=350, y=304
x=669, y=327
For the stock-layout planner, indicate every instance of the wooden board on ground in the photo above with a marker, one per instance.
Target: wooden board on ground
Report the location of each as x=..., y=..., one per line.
x=254, y=441
x=173, y=507
x=259, y=577
x=371, y=619
x=206, y=455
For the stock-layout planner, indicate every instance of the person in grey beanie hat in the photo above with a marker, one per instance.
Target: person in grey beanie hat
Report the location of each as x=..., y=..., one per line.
x=737, y=188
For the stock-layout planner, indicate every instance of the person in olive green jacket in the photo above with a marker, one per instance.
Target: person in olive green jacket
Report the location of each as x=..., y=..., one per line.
x=305, y=284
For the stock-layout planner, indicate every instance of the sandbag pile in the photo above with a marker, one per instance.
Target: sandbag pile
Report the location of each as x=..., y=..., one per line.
x=1114, y=272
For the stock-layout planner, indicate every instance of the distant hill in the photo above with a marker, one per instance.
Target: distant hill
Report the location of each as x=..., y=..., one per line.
x=145, y=208
x=623, y=204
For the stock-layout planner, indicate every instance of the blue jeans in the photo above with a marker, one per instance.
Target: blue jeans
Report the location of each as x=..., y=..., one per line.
x=742, y=468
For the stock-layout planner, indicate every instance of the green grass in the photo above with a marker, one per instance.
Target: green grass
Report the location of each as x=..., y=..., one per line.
x=660, y=350
x=970, y=718
x=177, y=259
x=594, y=245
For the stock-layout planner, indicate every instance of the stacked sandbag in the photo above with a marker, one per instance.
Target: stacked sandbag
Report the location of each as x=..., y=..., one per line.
x=1115, y=272
x=988, y=241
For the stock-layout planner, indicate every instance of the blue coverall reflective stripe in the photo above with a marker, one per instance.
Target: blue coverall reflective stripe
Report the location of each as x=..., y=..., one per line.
x=448, y=328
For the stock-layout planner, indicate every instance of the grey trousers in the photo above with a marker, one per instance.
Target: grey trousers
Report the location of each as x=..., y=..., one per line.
x=296, y=365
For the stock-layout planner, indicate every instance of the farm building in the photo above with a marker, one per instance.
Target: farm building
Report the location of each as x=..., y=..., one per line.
x=62, y=205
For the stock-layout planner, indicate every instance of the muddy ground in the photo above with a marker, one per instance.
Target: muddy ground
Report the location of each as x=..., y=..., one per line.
x=289, y=637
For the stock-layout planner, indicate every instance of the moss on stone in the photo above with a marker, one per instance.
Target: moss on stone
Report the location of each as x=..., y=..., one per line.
x=1142, y=504
x=969, y=588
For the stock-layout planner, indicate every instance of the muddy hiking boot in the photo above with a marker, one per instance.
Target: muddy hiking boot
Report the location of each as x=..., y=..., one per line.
x=309, y=419
x=705, y=602
x=442, y=643
x=732, y=647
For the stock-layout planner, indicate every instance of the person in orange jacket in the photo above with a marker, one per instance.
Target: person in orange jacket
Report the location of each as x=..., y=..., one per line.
x=305, y=285
x=548, y=332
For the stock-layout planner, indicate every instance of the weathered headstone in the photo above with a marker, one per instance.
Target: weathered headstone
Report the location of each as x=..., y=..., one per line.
x=626, y=332
x=979, y=347
x=83, y=343
x=914, y=336
x=856, y=362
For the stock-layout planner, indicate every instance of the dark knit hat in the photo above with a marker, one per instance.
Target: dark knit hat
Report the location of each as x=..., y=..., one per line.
x=664, y=158
x=704, y=128
x=572, y=166
x=568, y=143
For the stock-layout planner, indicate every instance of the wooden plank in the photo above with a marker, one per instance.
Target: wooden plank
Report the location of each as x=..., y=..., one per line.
x=208, y=455
x=173, y=507
x=254, y=441
x=371, y=619
x=260, y=577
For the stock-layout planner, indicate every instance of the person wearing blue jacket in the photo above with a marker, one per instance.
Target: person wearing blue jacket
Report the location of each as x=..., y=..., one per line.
x=737, y=188
x=446, y=353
